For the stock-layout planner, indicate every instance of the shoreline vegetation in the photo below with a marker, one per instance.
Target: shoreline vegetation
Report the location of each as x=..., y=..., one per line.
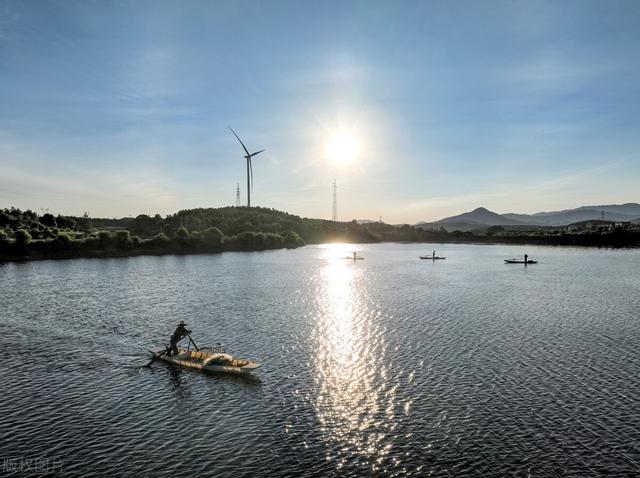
x=25, y=235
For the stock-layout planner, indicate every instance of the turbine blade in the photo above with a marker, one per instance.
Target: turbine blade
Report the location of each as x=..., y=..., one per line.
x=255, y=154
x=244, y=147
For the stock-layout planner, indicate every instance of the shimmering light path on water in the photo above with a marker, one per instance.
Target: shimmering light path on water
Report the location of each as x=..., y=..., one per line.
x=389, y=366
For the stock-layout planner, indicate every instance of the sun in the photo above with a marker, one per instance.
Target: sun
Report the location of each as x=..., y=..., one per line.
x=343, y=148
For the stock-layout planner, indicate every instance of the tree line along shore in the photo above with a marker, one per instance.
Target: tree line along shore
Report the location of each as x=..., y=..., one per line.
x=26, y=235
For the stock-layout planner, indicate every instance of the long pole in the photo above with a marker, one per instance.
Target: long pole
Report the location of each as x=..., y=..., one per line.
x=248, y=184
x=194, y=344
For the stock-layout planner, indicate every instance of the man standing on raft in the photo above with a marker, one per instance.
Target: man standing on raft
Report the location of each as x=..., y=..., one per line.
x=180, y=333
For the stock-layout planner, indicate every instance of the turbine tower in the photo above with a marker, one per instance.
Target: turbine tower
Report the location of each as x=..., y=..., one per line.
x=334, y=215
x=249, y=167
x=237, y=194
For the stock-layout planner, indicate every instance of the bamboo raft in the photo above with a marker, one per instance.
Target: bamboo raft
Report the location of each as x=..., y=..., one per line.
x=212, y=360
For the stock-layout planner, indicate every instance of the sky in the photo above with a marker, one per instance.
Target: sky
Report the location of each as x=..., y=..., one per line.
x=120, y=108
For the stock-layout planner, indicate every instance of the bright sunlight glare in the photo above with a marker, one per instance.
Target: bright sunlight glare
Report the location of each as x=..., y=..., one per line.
x=343, y=148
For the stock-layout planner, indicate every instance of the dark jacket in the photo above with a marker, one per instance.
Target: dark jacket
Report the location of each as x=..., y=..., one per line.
x=181, y=331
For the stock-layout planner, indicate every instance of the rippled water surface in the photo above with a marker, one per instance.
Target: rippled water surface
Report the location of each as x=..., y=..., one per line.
x=390, y=366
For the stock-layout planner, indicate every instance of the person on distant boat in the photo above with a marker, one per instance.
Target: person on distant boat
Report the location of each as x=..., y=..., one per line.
x=526, y=258
x=354, y=255
x=433, y=254
x=180, y=333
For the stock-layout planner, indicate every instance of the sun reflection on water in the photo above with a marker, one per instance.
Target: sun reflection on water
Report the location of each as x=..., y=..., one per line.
x=355, y=402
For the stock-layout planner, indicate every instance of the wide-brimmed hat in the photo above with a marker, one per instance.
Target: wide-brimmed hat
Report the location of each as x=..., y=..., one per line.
x=182, y=323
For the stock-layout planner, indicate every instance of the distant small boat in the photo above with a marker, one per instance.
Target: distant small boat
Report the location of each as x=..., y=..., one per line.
x=518, y=261
x=354, y=257
x=433, y=258
x=214, y=360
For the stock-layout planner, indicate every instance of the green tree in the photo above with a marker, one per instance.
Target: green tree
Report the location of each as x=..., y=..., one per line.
x=48, y=220
x=123, y=240
x=159, y=241
x=145, y=226
x=6, y=219
x=182, y=236
x=104, y=239
x=292, y=239
x=23, y=237
x=212, y=236
x=245, y=240
x=65, y=222
x=64, y=241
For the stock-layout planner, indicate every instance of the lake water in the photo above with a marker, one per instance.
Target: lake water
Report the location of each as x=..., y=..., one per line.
x=390, y=366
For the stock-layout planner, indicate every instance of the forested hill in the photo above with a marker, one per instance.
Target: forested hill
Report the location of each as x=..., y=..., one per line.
x=26, y=234
x=235, y=220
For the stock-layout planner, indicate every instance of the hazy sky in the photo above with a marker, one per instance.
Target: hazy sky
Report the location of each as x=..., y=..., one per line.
x=121, y=108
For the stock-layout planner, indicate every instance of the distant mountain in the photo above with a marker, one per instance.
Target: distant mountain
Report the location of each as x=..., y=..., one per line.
x=481, y=218
x=627, y=209
x=613, y=212
x=524, y=218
